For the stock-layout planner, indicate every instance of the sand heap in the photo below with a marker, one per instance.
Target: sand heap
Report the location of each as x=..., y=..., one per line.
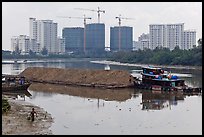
x=79, y=77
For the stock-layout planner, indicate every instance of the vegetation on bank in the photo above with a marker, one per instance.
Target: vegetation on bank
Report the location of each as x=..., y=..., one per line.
x=161, y=56
x=5, y=105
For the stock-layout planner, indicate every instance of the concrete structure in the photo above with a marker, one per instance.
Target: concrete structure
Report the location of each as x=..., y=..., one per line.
x=74, y=39
x=143, y=41
x=174, y=35
x=14, y=43
x=170, y=36
x=143, y=37
x=34, y=46
x=121, y=38
x=45, y=32
x=157, y=35
x=95, y=37
x=136, y=45
x=60, y=45
x=189, y=39
x=22, y=43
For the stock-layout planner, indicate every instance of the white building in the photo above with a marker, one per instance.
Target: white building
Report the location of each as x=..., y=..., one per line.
x=22, y=43
x=34, y=46
x=136, y=45
x=170, y=36
x=60, y=45
x=144, y=41
x=45, y=32
x=174, y=35
x=14, y=43
x=157, y=35
x=189, y=39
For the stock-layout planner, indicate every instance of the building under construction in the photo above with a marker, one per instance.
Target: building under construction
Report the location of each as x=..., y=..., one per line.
x=90, y=41
x=95, y=37
x=74, y=39
x=121, y=38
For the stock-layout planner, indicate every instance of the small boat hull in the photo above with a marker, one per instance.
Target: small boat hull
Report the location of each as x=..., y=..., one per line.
x=6, y=88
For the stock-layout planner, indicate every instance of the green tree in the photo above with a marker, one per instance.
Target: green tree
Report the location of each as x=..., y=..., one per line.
x=31, y=53
x=44, y=51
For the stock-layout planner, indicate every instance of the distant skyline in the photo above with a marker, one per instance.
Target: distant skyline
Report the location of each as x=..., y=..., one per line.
x=15, y=16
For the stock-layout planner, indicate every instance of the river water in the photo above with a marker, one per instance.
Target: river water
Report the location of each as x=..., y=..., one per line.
x=89, y=111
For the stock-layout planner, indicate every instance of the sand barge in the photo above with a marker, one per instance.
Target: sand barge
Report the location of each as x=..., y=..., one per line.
x=79, y=77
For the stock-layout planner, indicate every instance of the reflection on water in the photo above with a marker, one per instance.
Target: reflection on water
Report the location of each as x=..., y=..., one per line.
x=85, y=92
x=151, y=100
x=158, y=101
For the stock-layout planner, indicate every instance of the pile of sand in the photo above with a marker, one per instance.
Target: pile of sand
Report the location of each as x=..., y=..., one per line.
x=96, y=78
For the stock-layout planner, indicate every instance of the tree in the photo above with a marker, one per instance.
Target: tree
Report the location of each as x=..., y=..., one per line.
x=31, y=53
x=200, y=42
x=17, y=51
x=44, y=51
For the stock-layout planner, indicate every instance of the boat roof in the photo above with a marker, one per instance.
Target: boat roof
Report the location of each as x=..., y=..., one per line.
x=150, y=67
x=148, y=74
x=166, y=79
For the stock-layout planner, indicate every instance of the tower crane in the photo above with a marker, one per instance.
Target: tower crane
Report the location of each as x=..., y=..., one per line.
x=98, y=12
x=84, y=18
x=119, y=33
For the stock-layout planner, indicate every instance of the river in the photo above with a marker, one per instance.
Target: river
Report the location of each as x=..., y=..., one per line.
x=89, y=111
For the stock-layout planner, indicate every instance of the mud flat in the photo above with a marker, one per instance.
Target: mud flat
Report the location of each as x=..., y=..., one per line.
x=15, y=122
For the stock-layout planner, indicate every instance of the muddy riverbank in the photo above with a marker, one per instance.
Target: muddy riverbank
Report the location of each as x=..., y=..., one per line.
x=15, y=122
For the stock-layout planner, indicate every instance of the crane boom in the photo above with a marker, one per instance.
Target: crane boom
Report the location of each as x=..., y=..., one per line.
x=119, y=35
x=98, y=11
x=84, y=26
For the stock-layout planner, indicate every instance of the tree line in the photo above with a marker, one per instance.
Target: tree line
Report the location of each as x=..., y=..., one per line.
x=162, y=56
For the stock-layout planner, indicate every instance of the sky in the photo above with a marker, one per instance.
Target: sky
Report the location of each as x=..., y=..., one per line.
x=15, y=16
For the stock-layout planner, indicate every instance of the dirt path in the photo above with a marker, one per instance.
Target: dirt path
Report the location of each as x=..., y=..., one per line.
x=15, y=121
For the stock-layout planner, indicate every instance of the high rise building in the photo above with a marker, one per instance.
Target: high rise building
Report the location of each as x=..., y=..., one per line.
x=14, y=43
x=174, y=35
x=157, y=35
x=95, y=37
x=74, y=39
x=45, y=32
x=144, y=41
x=21, y=43
x=121, y=38
x=167, y=35
x=24, y=44
x=34, y=46
x=189, y=39
x=60, y=45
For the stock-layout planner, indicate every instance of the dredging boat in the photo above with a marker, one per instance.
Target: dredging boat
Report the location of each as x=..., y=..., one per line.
x=154, y=78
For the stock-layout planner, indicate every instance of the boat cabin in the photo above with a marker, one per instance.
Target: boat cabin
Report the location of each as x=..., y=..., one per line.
x=152, y=70
x=156, y=76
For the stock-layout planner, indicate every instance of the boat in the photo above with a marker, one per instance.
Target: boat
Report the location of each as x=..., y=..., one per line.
x=14, y=87
x=14, y=83
x=155, y=78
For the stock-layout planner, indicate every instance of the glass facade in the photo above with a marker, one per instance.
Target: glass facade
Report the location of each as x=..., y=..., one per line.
x=121, y=40
x=74, y=39
x=95, y=37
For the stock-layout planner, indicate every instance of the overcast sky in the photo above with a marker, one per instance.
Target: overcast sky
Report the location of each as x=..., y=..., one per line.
x=15, y=16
